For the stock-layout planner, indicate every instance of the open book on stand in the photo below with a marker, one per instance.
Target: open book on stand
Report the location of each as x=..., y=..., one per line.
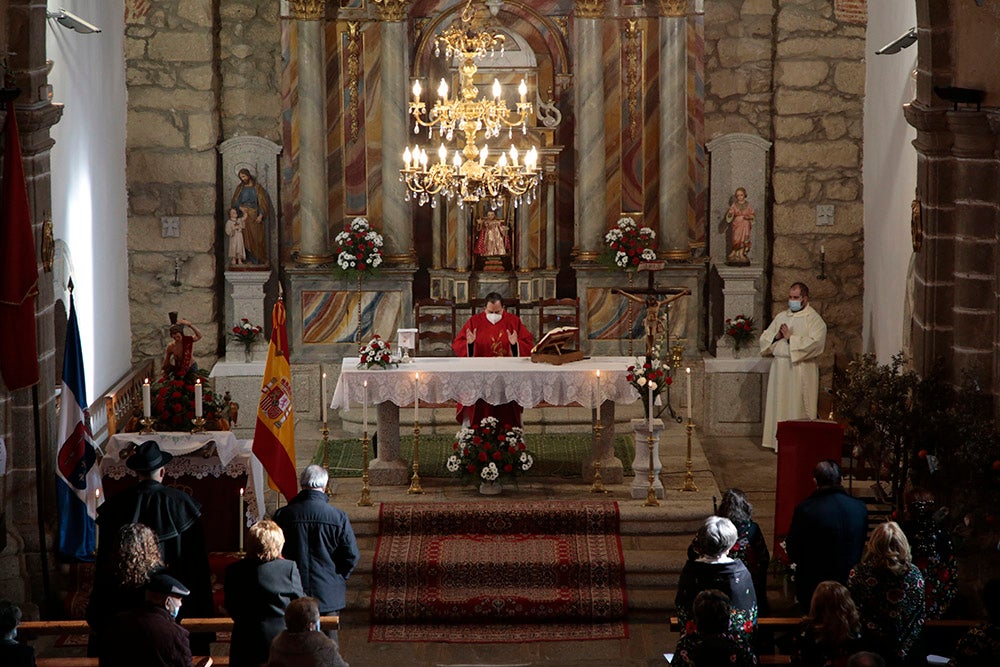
x=552, y=348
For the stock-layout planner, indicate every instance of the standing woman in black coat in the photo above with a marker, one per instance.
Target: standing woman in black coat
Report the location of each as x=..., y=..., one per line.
x=258, y=588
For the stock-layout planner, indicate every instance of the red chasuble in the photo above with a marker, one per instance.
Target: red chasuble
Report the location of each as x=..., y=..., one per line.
x=492, y=341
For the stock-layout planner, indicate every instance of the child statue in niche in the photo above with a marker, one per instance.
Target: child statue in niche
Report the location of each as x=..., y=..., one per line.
x=739, y=217
x=234, y=230
x=492, y=240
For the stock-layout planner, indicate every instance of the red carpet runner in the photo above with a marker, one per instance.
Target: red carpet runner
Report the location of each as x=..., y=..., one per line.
x=498, y=572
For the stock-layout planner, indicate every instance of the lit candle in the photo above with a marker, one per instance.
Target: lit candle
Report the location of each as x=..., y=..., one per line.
x=416, y=396
x=239, y=520
x=688, y=370
x=323, y=399
x=650, y=418
x=147, y=407
x=822, y=250
x=416, y=90
x=97, y=528
x=197, y=398
x=364, y=407
x=598, y=392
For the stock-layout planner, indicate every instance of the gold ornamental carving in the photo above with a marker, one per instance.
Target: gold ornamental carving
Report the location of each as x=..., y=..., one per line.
x=353, y=76
x=307, y=10
x=590, y=9
x=391, y=10
x=673, y=8
x=916, y=225
x=632, y=56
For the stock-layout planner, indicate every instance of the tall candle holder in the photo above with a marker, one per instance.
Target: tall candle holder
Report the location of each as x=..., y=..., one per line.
x=147, y=425
x=689, y=484
x=598, y=485
x=199, y=425
x=651, y=500
x=415, y=480
x=366, y=499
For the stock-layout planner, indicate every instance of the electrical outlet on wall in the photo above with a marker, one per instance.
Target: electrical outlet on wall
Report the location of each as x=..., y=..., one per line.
x=824, y=215
x=171, y=227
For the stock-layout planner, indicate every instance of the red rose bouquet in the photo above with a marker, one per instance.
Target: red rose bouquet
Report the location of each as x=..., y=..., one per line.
x=376, y=353
x=740, y=329
x=489, y=451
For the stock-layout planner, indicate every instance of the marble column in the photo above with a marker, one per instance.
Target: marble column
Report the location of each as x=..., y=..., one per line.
x=397, y=216
x=550, y=220
x=462, y=238
x=314, y=209
x=522, y=222
x=591, y=190
x=673, y=201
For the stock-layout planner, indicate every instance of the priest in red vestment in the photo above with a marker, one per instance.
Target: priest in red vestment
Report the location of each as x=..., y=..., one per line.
x=492, y=333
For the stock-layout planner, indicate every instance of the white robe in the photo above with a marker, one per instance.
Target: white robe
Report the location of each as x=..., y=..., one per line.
x=793, y=384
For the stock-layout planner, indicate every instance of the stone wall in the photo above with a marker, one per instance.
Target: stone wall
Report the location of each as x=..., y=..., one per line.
x=792, y=73
x=198, y=71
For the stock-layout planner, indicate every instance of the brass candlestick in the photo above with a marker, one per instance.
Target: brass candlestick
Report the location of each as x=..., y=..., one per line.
x=415, y=480
x=689, y=484
x=147, y=425
x=366, y=499
x=598, y=485
x=199, y=425
x=651, y=500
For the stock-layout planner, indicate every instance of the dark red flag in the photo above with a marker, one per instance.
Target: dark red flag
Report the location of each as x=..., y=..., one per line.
x=18, y=268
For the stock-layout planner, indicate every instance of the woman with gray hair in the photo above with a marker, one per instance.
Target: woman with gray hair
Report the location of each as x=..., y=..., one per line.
x=714, y=568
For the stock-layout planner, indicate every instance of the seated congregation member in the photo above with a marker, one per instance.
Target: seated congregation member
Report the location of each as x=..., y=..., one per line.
x=258, y=589
x=831, y=632
x=120, y=581
x=980, y=646
x=319, y=538
x=712, y=643
x=888, y=591
x=932, y=551
x=302, y=643
x=12, y=652
x=866, y=659
x=750, y=547
x=492, y=333
x=149, y=635
x=713, y=568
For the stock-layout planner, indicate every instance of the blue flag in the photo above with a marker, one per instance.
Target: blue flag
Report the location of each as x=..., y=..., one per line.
x=78, y=478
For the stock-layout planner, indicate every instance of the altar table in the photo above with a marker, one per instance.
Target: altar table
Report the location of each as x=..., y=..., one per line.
x=214, y=481
x=496, y=380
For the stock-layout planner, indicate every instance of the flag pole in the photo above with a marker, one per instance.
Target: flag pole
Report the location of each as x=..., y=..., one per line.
x=40, y=498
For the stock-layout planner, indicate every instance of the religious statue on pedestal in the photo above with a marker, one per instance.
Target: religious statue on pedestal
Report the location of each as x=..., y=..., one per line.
x=739, y=217
x=492, y=241
x=253, y=206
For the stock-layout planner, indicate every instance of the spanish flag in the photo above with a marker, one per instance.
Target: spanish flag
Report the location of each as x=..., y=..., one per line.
x=274, y=436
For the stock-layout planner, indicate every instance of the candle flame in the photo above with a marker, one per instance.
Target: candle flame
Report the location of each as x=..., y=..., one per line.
x=365, y=383
x=146, y=381
x=241, y=492
x=598, y=373
x=416, y=376
x=197, y=381
x=687, y=370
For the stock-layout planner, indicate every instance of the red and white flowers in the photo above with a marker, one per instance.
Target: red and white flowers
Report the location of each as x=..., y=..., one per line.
x=740, y=329
x=628, y=244
x=489, y=451
x=359, y=248
x=246, y=333
x=375, y=353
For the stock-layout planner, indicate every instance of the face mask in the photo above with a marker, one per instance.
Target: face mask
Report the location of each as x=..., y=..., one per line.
x=494, y=318
x=794, y=306
x=173, y=609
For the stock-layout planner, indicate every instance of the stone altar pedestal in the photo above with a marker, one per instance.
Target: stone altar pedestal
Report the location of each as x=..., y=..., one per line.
x=242, y=381
x=735, y=392
x=245, y=298
x=640, y=484
x=741, y=293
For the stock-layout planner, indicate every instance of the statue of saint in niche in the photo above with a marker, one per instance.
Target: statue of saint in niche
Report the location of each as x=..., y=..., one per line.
x=739, y=218
x=254, y=207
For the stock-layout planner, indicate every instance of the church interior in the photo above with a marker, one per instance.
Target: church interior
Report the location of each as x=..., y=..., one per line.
x=644, y=171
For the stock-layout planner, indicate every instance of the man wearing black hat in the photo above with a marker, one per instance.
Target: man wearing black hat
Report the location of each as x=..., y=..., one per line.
x=174, y=516
x=150, y=635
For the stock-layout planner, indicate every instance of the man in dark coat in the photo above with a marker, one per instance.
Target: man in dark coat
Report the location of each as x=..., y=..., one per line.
x=827, y=534
x=175, y=517
x=150, y=635
x=319, y=538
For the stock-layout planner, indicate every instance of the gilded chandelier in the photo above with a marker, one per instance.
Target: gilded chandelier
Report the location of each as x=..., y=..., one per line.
x=470, y=176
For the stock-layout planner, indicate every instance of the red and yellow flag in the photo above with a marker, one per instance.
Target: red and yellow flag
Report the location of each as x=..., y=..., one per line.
x=274, y=436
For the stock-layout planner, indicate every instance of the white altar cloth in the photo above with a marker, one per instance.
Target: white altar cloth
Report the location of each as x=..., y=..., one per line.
x=235, y=457
x=496, y=380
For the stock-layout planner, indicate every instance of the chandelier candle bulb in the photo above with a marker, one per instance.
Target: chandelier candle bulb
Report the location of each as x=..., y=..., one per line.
x=407, y=157
x=443, y=90
x=688, y=371
x=416, y=90
x=523, y=89
x=147, y=407
x=513, y=156
x=322, y=399
x=197, y=398
x=496, y=88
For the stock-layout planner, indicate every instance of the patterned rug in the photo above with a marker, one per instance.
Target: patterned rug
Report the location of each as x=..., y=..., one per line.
x=498, y=572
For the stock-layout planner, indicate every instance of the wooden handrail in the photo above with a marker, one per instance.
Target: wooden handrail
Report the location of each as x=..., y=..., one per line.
x=80, y=627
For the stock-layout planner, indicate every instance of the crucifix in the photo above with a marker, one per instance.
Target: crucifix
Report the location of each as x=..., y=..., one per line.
x=647, y=297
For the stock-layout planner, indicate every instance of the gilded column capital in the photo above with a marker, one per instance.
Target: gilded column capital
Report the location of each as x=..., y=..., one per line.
x=673, y=8
x=307, y=10
x=590, y=9
x=391, y=10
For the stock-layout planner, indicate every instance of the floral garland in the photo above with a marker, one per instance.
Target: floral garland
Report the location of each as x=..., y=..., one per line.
x=359, y=249
x=740, y=329
x=376, y=353
x=488, y=452
x=246, y=333
x=629, y=245
x=173, y=402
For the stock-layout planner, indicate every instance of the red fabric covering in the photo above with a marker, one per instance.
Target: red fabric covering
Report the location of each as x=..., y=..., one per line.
x=801, y=445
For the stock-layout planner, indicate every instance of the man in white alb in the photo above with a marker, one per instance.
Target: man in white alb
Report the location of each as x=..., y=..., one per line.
x=795, y=339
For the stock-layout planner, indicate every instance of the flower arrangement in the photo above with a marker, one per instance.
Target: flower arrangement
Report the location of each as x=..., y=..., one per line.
x=173, y=403
x=649, y=375
x=740, y=329
x=246, y=333
x=628, y=244
x=359, y=249
x=488, y=452
x=376, y=353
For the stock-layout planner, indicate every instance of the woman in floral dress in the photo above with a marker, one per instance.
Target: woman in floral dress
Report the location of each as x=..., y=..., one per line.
x=888, y=590
x=932, y=552
x=980, y=647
